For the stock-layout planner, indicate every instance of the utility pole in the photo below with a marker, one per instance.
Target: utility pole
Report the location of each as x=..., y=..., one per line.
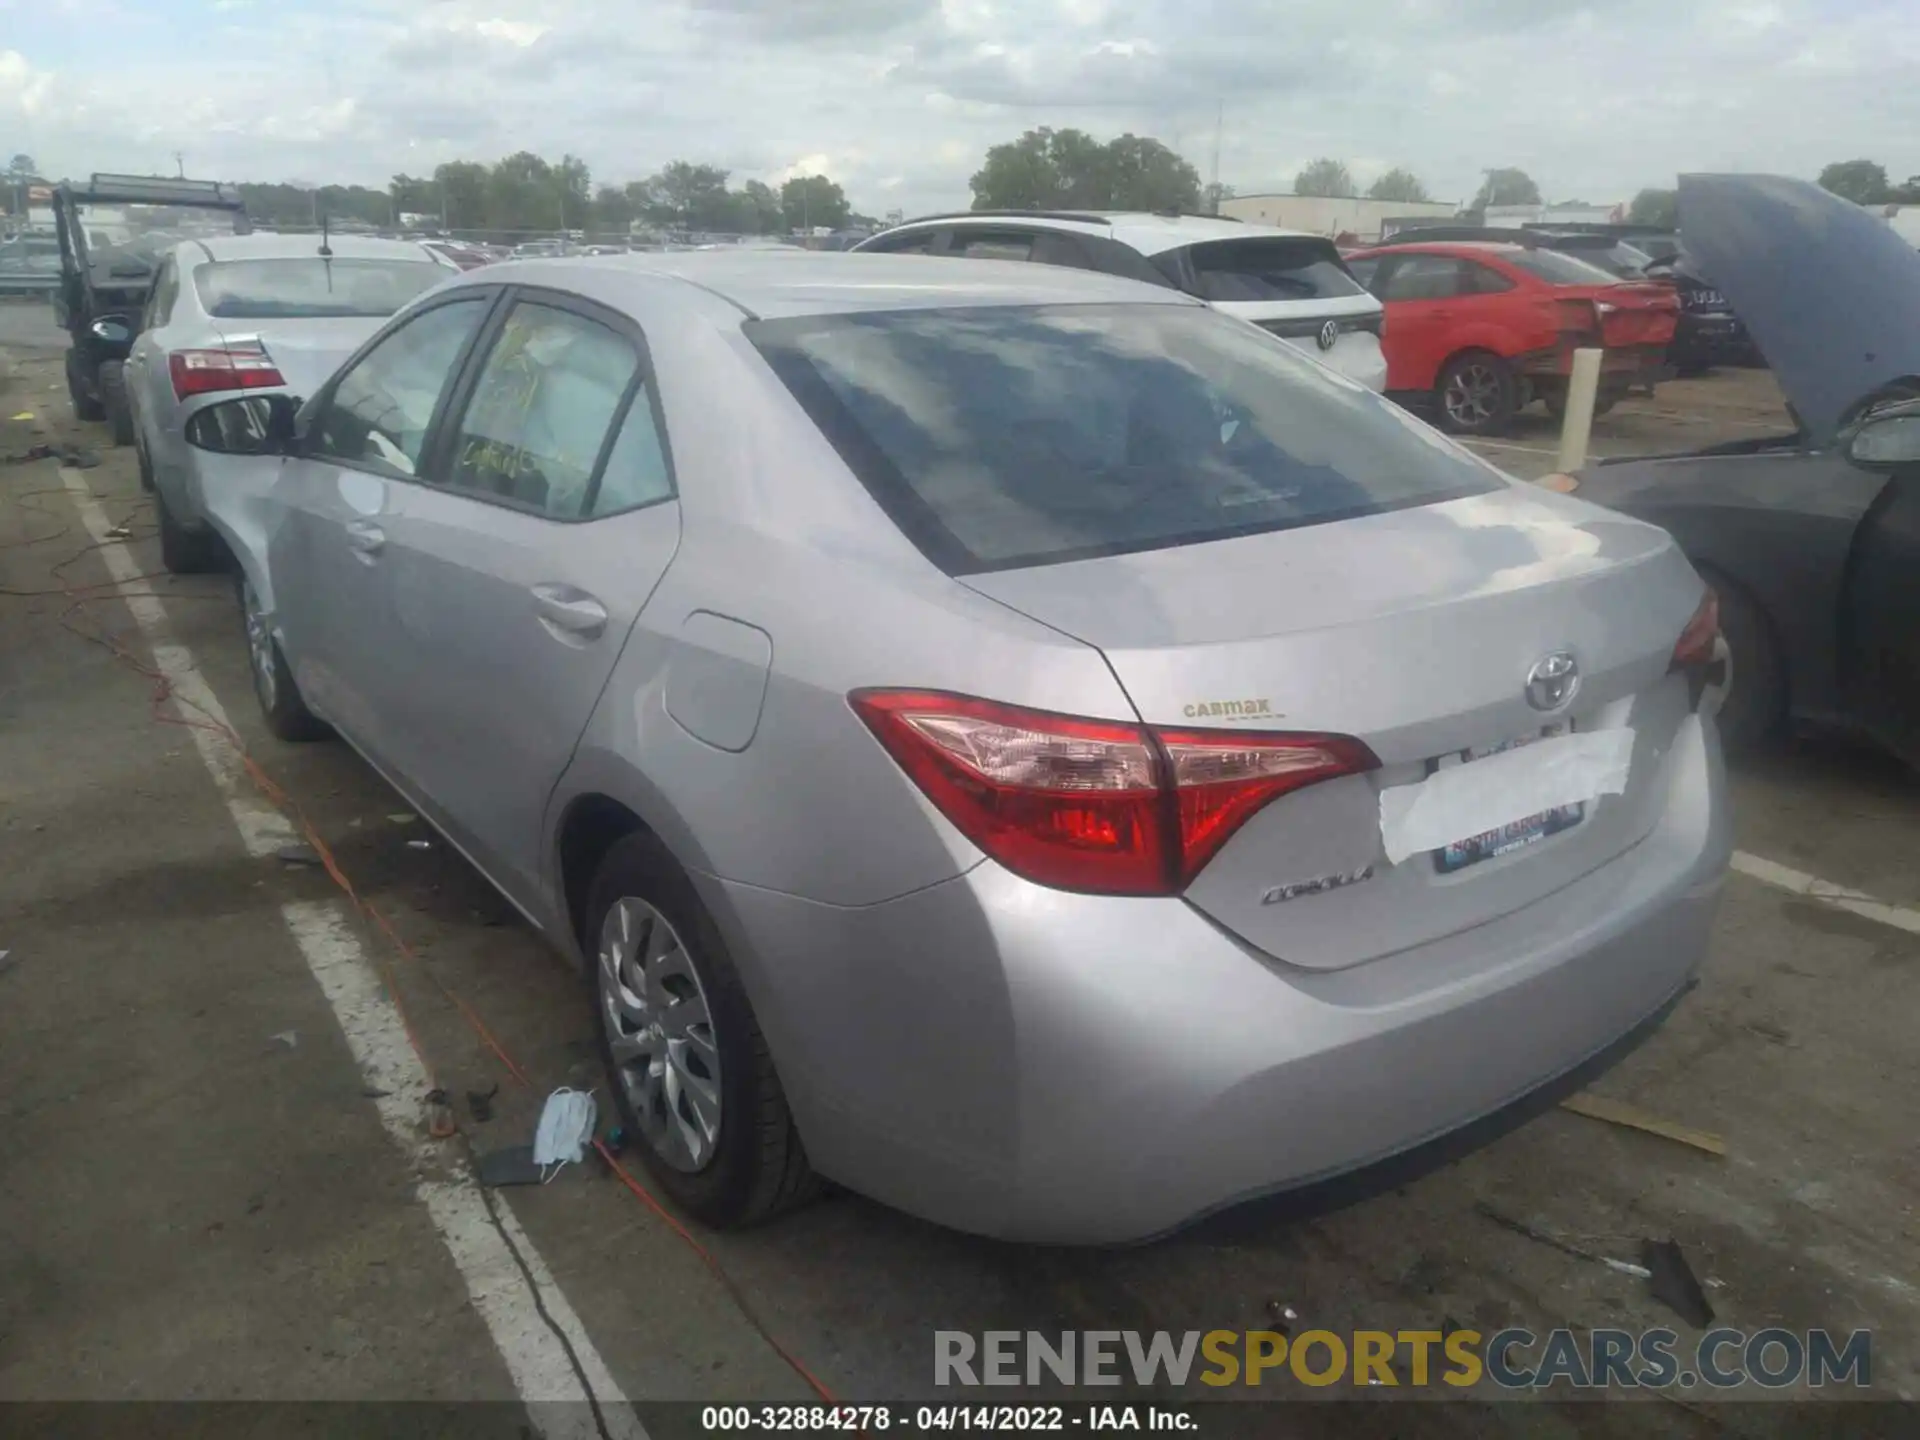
x=1213, y=187
x=180, y=164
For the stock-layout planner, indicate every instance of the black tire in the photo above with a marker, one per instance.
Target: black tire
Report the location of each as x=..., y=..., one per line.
x=758, y=1166
x=1489, y=393
x=1756, y=701
x=86, y=404
x=281, y=707
x=182, y=551
x=113, y=399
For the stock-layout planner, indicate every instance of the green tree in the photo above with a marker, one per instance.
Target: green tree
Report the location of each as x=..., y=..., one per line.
x=415, y=194
x=462, y=186
x=813, y=201
x=1862, y=181
x=1212, y=195
x=694, y=195
x=612, y=209
x=1069, y=169
x=768, y=217
x=1655, y=207
x=1507, y=187
x=1399, y=184
x=1324, y=177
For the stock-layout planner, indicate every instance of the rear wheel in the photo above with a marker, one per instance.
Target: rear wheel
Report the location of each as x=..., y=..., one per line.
x=1756, y=699
x=1477, y=393
x=86, y=405
x=183, y=551
x=692, y=1077
x=113, y=400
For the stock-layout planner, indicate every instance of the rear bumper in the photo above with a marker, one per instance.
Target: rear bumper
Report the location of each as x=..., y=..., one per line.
x=1035, y=1065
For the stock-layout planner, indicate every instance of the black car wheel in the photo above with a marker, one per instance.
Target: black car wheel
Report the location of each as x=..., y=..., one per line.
x=1477, y=393
x=113, y=400
x=1756, y=700
x=86, y=405
x=691, y=1075
x=183, y=551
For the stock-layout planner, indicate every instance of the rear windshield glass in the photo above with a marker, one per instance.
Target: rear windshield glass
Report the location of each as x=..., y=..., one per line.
x=1264, y=269
x=1558, y=268
x=1005, y=437
x=309, y=289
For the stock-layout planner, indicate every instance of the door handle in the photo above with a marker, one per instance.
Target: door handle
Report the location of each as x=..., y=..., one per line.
x=569, y=612
x=366, y=538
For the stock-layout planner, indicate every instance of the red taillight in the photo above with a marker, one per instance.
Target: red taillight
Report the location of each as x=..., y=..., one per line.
x=196, y=372
x=1695, y=645
x=1093, y=805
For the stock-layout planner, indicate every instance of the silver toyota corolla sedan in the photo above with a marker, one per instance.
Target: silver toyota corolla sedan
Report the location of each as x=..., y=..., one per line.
x=250, y=312
x=1014, y=741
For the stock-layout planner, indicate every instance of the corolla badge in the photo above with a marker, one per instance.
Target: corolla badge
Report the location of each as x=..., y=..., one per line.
x=1329, y=333
x=1553, y=681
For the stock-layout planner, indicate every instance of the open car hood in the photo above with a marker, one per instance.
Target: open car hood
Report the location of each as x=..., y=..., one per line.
x=1831, y=294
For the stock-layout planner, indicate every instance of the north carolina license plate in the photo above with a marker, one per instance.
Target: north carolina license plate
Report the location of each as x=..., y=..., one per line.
x=1517, y=835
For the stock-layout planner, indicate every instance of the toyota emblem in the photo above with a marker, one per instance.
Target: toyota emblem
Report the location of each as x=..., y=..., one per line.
x=1553, y=681
x=1329, y=333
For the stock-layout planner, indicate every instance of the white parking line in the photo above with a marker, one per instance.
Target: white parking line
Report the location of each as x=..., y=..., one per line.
x=1509, y=445
x=1854, y=902
x=541, y=1369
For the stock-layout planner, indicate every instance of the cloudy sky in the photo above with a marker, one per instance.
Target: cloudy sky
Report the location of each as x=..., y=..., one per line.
x=898, y=99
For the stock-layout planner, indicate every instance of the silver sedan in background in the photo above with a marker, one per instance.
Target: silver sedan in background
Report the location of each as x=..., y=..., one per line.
x=1013, y=740
x=249, y=312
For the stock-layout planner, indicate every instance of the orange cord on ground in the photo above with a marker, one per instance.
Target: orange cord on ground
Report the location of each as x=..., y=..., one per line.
x=162, y=692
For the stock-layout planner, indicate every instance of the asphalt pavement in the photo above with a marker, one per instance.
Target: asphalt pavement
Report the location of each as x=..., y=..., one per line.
x=207, y=1192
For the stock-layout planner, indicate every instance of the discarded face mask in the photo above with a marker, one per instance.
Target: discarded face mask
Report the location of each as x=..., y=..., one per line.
x=566, y=1124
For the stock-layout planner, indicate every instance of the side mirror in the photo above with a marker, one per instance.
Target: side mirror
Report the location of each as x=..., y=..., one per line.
x=1887, y=441
x=250, y=425
x=111, y=331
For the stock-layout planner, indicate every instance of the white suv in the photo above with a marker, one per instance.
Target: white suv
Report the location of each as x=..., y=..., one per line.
x=1287, y=282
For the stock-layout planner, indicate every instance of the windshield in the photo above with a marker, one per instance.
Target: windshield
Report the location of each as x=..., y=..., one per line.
x=1270, y=269
x=1558, y=268
x=125, y=241
x=309, y=288
x=1021, y=436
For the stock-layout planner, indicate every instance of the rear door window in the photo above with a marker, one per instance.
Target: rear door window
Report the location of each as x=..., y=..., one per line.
x=920, y=242
x=1268, y=268
x=1427, y=277
x=993, y=244
x=1557, y=268
x=1024, y=435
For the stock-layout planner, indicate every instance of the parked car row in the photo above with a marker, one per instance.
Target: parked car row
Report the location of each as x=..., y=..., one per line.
x=1010, y=738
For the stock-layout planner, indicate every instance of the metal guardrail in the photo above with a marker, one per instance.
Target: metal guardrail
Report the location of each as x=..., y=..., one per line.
x=27, y=282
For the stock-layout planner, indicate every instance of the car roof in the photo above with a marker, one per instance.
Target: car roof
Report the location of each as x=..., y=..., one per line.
x=1459, y=249
x=1147, y=231
x=295, y=247
x=781, y=284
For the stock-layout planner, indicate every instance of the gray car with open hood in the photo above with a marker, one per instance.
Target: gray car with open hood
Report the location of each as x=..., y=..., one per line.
x=1810, y=539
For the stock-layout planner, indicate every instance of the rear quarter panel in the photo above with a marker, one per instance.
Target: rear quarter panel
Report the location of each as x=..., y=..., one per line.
x=1779, y=525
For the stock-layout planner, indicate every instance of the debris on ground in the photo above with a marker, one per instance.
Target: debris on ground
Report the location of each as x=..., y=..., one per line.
x=285, y=1040
x=1615, y=1112
x=6, y=963
x=1673, y=1284
x=402, y=819
x=1554, y=1242
x=74, y=457
x=297, y=855
x=481, y=1102
x=511, y=1166
x=440, y=1121
x=374, y=1092
x=119, y=532
x=566, y=1125
x=419, y=844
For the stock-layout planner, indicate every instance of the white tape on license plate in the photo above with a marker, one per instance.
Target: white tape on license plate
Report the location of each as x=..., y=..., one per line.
x=1503, y=789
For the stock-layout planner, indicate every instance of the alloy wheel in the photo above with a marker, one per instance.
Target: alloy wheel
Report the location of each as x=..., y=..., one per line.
x=1472, y=395
x=259, y=646
x=660, y=1033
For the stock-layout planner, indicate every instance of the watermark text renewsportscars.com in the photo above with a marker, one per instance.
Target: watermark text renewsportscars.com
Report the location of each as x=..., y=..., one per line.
x=1513, y=1359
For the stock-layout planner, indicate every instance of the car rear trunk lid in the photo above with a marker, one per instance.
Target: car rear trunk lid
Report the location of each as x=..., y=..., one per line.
x=1414, y=631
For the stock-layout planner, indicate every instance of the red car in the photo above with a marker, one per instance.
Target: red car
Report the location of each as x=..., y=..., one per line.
x=1486, y=328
